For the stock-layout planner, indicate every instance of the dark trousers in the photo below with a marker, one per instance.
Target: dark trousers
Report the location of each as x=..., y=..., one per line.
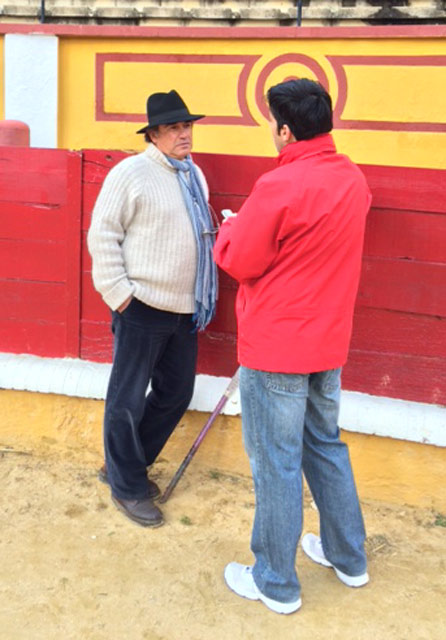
x=153, y=346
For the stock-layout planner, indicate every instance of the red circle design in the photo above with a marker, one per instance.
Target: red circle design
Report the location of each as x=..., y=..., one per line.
x=277, y=62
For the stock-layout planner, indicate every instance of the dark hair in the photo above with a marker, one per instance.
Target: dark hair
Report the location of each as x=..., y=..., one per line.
x=147, y=137
x=304, y=105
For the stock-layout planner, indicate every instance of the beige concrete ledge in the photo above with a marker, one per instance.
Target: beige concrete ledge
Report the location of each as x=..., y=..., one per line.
x=393, y=471
x=265, y=12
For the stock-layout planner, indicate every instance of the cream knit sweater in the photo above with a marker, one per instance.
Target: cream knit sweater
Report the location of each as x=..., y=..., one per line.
x=141, y=239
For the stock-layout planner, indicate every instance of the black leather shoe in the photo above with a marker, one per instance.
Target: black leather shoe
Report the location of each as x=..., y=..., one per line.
x=144, y=512
x=154, y=490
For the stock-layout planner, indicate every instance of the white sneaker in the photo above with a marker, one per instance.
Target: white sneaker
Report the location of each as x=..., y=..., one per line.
x=239, y=578
x=312, y=546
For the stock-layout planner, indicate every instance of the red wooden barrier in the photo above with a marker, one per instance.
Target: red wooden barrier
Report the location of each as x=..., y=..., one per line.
x=399, y=338
x=40, y=251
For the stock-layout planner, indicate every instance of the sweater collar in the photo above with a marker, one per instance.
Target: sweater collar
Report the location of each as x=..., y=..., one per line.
x=155, y=154
x=303, y=149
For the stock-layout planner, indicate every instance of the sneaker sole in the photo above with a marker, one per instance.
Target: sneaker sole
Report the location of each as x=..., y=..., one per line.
x=140, y=521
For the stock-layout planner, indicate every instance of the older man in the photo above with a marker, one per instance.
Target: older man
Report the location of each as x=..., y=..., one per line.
x=151, y=241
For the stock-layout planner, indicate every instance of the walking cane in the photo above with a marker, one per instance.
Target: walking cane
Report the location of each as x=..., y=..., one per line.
x=232, y=386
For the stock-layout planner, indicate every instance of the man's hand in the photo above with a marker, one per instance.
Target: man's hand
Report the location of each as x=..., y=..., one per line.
x=124, y=305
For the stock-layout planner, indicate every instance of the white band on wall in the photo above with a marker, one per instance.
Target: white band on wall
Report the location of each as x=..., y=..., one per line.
x=30, y=85
x=360, y=412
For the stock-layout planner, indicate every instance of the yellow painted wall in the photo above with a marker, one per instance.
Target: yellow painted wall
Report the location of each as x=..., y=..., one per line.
x=393, y=471
x=399, y=90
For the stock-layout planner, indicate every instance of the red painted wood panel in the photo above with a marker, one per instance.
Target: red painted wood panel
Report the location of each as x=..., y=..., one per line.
x=384, y=331
x=406, y=188
x=406, y=235
x=19, y=221
x=40, y=302
x=402, y=285
x=96, y=343
x=94, y=308
x=74, y=253
x=30, y=260
x=96, y=165
x=31, y=336
x=33, y=176
x=396, y=375
x=402, y=188
x=217, y=353
x=40, y=251
x=224, y=321
x=400, y=316
x=234, y=175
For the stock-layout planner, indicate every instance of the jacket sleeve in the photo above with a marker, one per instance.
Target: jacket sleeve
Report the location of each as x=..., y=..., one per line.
x=248, y=243
x=111, y=217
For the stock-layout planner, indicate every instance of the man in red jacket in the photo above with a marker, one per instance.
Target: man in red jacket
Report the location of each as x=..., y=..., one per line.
x=295, y=248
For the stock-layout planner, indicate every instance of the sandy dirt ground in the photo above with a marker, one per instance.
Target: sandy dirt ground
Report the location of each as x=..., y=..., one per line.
x=73, y=567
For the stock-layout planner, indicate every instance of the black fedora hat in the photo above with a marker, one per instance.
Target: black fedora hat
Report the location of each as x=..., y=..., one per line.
x=167, y=108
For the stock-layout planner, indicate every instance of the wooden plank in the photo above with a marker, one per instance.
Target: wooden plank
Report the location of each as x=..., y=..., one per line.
x=86, y=258
x=225, y=321
x=31, y=336
x=407, y=235
x=93, y=307
x=230, y=174
x=29, y=260
x=406, y=188
x=98, y=162
x=401, y=188
x=32, y=221
x=386, y=331
x=89, y=194
x=39, y=302
x=96, y=341
x=73, y=254
x=407, y=377
x=403, y=285
x=33, y=175
x=217, y=354
x=393, y=187
x=96, y=165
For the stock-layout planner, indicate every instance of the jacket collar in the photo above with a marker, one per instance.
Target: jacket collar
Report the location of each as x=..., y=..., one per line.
x=306, y=148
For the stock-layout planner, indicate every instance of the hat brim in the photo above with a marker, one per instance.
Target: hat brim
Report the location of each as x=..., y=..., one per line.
x=160, y=120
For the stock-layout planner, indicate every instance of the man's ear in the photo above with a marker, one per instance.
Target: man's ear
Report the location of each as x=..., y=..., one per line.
x=153, y=135
x=286, y=135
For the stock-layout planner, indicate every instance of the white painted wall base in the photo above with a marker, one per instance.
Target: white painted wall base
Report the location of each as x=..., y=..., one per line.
x=360, y=412
x=30, y=85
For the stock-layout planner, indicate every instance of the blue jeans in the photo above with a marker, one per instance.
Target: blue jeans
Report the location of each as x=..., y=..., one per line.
x=290, y=426
x=150, y=345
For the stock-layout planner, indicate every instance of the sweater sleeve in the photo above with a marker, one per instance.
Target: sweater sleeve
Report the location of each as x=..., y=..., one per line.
x=112, y=215
x=248, y=243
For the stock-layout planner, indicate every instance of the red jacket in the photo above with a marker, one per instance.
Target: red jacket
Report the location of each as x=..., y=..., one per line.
x=295, y=248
